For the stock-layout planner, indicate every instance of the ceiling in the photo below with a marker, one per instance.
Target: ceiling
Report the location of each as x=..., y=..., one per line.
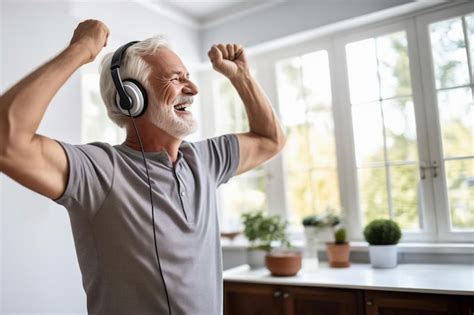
x=204, y=12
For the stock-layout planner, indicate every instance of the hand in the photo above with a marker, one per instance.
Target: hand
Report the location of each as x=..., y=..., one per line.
x=91, y=36
x=229, y=60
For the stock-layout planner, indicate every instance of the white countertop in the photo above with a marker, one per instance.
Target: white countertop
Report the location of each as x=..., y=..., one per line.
x=423, y=278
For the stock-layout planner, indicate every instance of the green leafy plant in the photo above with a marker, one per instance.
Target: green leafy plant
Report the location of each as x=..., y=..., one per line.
x=382, y=232
x=340, y=236
x=324, y=220
x=262, y=230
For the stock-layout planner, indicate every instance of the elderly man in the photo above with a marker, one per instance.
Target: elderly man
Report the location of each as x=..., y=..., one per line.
x=137, y=258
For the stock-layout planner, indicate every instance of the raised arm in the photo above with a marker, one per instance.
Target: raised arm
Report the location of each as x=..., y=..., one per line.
x=266, y=137
x=33, y=160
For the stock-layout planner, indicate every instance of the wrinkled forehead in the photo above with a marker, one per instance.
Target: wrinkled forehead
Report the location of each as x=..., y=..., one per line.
x=165, y=63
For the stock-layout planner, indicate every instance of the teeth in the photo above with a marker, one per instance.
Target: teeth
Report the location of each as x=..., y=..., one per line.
x=180, y=106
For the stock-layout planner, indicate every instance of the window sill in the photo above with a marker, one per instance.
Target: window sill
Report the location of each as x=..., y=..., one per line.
x=357, y=246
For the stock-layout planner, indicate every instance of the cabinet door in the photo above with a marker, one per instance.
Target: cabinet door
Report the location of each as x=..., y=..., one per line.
x=393, y=303
x=321, y=301
x=468, y=305
x=252, y=299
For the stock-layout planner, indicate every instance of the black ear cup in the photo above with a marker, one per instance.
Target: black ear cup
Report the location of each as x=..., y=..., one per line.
x=137, y=96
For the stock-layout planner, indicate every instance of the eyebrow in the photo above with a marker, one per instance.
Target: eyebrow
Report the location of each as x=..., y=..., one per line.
x=179, y=73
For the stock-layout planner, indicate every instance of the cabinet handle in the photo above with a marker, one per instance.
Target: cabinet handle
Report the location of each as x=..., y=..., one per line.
x=286, y=295
x=277, y=294
x=369, y=303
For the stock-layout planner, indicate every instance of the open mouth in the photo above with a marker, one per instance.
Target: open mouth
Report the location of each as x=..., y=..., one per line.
x=182, y=107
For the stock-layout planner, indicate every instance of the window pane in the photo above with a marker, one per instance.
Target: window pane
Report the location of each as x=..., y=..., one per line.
x=456, y=113
x=297, y=148
x=362, y=68
x=404, y=181
x=470, y=35
x=304, y=91
x=460, y=184
x=299, y=197
x=232, y=116
x=449, y=53
x=290, y=94
x=251, y=196
x=322, y=142
x=324, y=196
x=400, y=129
x=368, y=133
x=394, y=68
x=316, y=84
x=373, y=194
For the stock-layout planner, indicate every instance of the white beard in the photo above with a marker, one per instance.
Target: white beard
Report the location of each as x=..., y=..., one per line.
x=164, y=117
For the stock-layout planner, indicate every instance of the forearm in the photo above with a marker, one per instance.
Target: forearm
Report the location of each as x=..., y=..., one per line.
x=23, y=106
x=262, y=119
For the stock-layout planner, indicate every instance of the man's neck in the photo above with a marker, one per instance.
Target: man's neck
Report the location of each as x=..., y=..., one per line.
x=154, y=140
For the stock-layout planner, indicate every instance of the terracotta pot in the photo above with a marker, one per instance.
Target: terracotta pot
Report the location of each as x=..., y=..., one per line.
x=284, y=263
x=338, y=255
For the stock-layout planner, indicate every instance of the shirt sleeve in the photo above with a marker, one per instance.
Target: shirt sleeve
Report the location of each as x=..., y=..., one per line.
x=90, y=177
x=221, y=156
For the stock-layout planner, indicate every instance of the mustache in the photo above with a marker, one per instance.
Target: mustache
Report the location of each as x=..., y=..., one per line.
x=188, y=99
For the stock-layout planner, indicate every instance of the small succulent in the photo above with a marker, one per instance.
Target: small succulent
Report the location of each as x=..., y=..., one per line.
x=340, y=236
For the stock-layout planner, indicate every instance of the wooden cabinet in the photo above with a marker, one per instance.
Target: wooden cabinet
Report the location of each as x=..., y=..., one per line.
x=395, y=303
x=468, y=305
x=321, y=301
x=255, y=299
x=262, y=299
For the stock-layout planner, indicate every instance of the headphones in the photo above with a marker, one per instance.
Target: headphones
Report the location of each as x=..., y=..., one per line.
x=131, y=98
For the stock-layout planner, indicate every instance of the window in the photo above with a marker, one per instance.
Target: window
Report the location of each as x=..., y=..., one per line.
x=380, y=123
x=304, y=98
x=452, y=43
x=246, y=192
x=384, y=129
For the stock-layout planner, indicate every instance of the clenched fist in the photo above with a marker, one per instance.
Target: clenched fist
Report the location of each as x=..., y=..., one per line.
x=91, y=36
x=229, y=60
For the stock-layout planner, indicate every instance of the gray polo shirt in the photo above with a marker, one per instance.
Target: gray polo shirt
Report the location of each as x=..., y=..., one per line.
x=107, y=198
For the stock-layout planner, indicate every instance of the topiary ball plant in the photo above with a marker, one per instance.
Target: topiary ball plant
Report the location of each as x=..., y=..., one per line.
x=382, y=232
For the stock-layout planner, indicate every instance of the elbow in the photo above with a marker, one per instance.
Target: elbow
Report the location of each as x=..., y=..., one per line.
x=280, y=141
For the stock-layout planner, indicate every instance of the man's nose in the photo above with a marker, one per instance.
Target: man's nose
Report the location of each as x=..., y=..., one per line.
x=190, y=88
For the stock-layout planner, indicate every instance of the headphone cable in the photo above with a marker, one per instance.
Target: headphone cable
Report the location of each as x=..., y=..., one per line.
x=152, y=211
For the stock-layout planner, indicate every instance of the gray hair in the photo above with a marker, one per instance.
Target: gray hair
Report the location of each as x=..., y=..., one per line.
x=133, y=67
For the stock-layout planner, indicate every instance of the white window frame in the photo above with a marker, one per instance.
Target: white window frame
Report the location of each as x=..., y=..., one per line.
x=434, y=129
x=427, y=219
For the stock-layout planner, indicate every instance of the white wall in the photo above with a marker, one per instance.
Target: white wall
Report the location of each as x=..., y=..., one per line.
x=39, y=268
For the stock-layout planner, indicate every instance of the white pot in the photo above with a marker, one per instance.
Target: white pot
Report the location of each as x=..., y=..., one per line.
x=315, y=234
x=383, y=256
x=256, y=258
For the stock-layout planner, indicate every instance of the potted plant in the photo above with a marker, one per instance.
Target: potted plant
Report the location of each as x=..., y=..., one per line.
x=316, y=225
x=262, y=231
x=338, y=251
x=317, y=229
x=382, y=236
